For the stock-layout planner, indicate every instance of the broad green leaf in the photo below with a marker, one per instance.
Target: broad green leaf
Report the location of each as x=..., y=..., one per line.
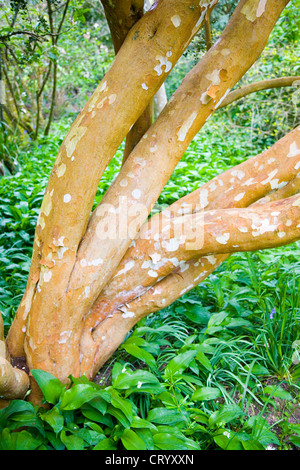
x=252, y=445
x=165, y=441
x=50, y=385
x=71, y=441
x=54, y=419
x=122, y=404
x=22, y=440
x=140, y=423
x=206, y=393
x=131, y=441
x=76, y=396
x=204, y=361
x=180, y=362
x=295, y=440
x=147, y=437
x=15, y=407
x=119, y=415
x=226, y=414
x=216, y=319
x=164, y=416
x=106, y=444
x=278, y=392
x=141, y=354
x=128, y=380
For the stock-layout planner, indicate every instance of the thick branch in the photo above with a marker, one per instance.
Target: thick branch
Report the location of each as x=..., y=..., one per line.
x=121, y=16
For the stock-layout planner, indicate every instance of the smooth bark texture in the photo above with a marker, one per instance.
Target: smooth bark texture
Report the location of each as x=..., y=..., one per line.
x=121, y=16
x=88, y=285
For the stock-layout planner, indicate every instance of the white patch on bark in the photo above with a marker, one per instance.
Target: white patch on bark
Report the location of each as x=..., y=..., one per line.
x=203, y=198
x=61, y=170
x=238, y=173
x=261, y=8
x=223, y=239
x=129, y=265
x=128, y=315
x=123, y=182
x=239, y=197
x=112, y=98
x=270, y=177
x=294, y=150
x=281, y=234
x=47, y=276
x=72, y=140
x=152, y=273
x=214, y=77
x=136, y=193
x=186, y=126
x=67, y=198
x=163, y=61
x=176, y=20
x=64, y=336
x=172, y=244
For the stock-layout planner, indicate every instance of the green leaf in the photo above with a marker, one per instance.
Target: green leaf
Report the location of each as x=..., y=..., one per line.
x=76, y=396
x=72, y=442
x=206, y=393
x=164, y=416
x=141, y=354
x=131, y=441
x=22, y=440
x=147, y=437
x=217, y=319
x=252, y=445
x=94, y=415
x=295, y=440
x=227, y=442
x=226, y=414
x=180, y=362
x=54, y=419
x=106, y=444
x=197, y=314
x=128, y=380
x=15, y=407
x=278, y=392
x=122, y=404
x=166, y=441
x=50, y=386
x=140, y=423
x=204, y=360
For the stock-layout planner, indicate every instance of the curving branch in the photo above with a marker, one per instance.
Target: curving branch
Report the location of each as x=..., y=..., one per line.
x=259, y=86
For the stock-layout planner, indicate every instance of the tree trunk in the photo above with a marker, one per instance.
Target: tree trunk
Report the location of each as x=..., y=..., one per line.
x=93, y=276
